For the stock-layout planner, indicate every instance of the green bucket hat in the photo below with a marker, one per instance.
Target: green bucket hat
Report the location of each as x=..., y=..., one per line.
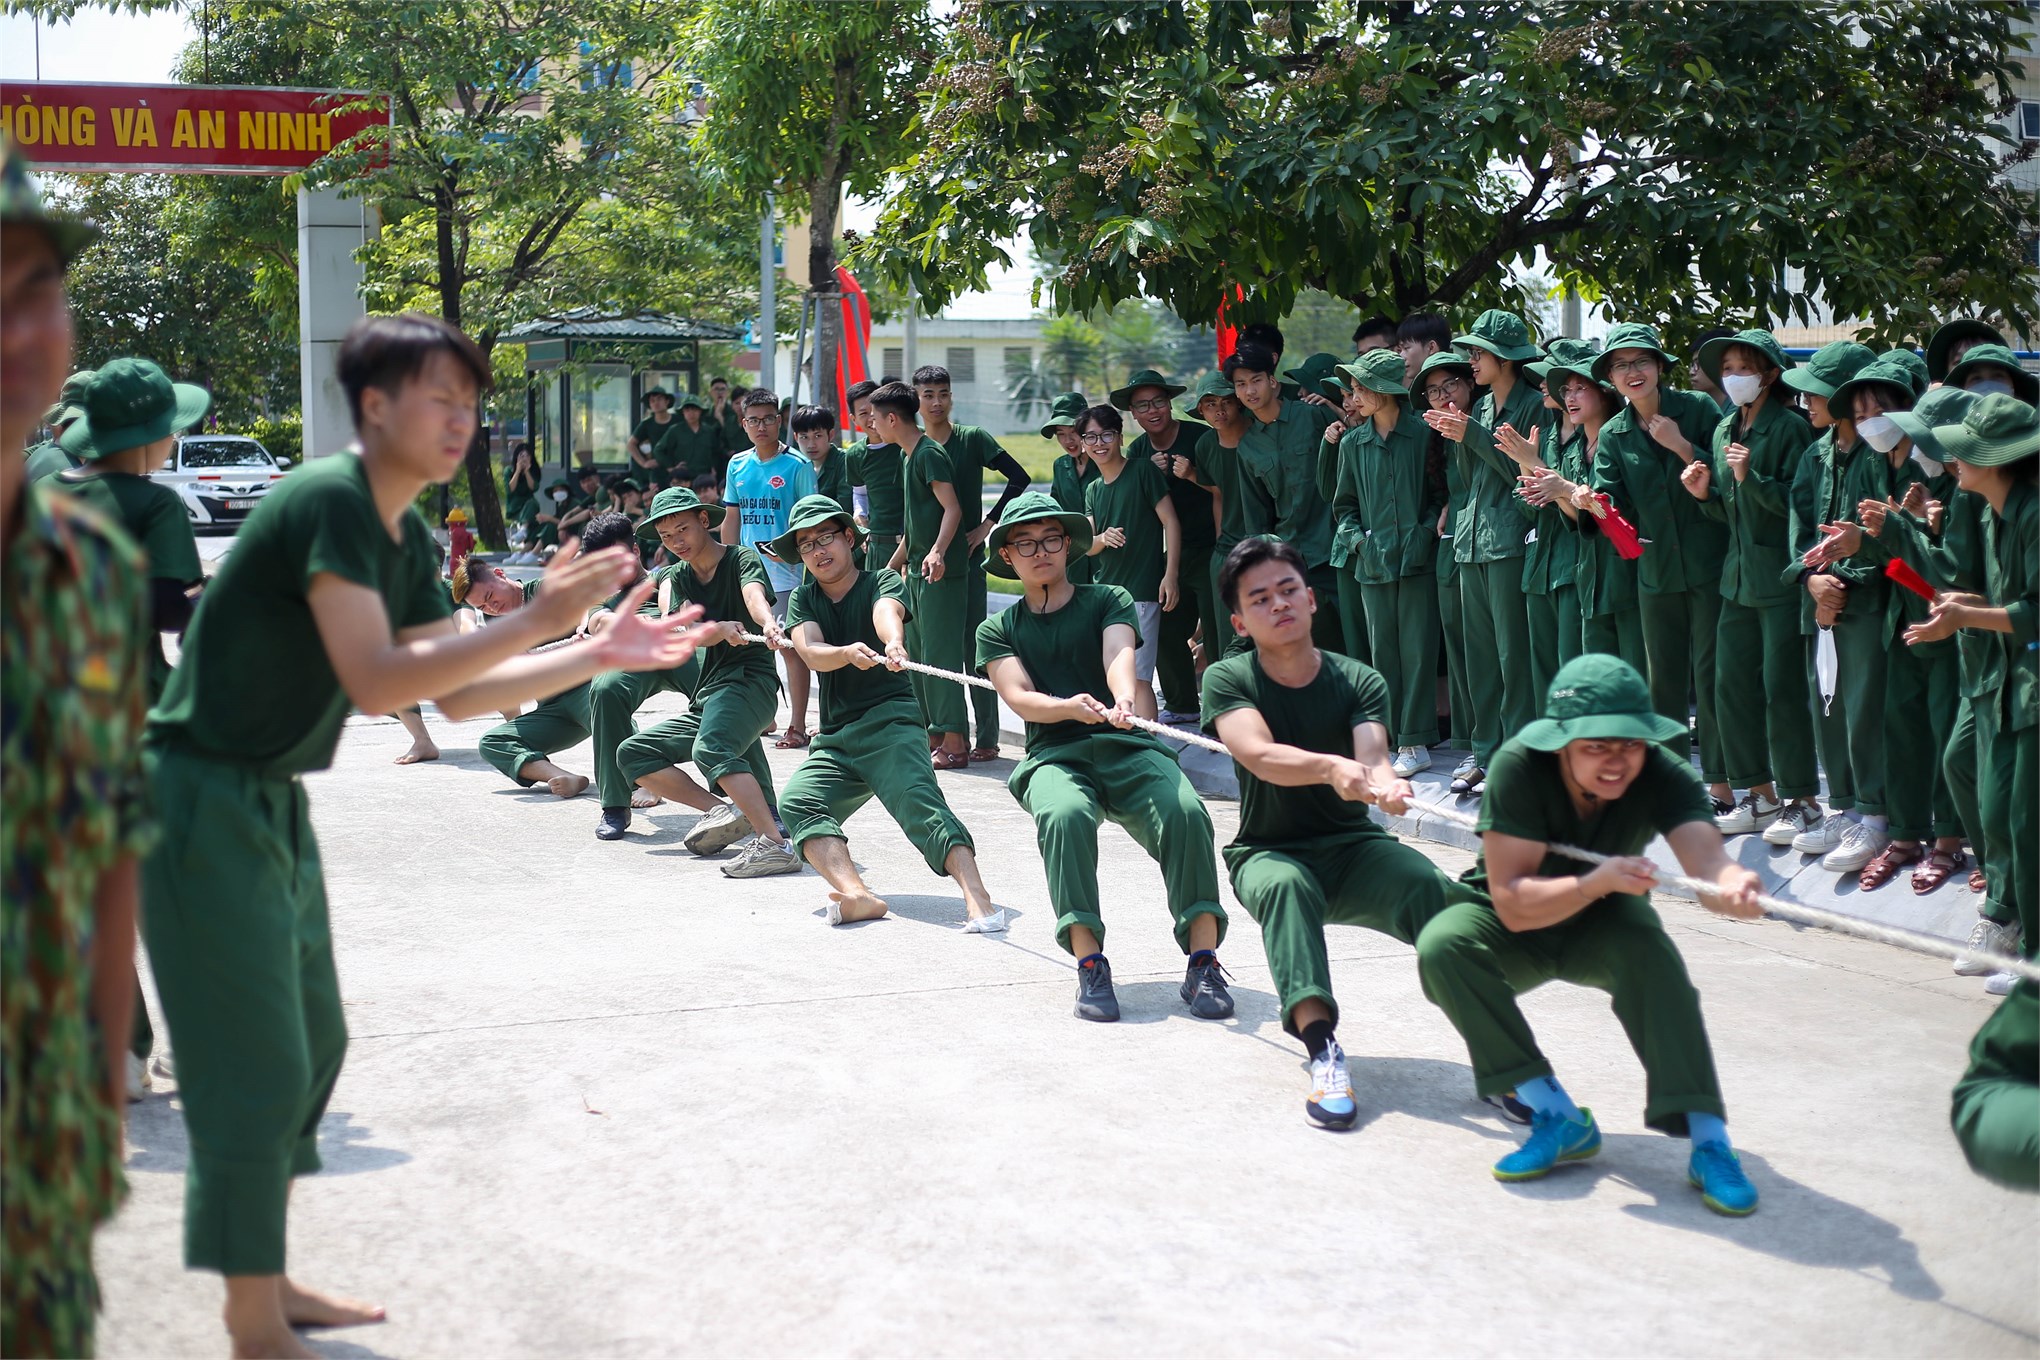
x=1880, y=373
x=1031, y=506
x=1998, y=430
x=1632, y=335
x=69, y=403
x=1952, y=334
x=130, y=402
x=675, y=500
x=1829, y=367
x=21, y=203
x=557, y=483
x=1213, y=384
x=1146, y=377
x=1064, y=413
x=1565, y=358
x=624, y=484
x=1763, y=342
x=688, y=399
x=1378, y=370
x=1309, y=376
x=1598, y=695
x=811, y=512
x=651, y=392
x=1444, y=358
x=1501, y=334
x=1940, y=406
x=2024, y=384
x=1908, y=359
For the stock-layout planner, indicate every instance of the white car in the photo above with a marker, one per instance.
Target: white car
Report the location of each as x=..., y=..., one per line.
x=220, y=477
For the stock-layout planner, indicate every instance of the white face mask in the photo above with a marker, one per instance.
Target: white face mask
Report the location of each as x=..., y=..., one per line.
x=1926, y=464
x=559, y=495
x=1742, y=388
x=1983, y=387
x=1880, y=433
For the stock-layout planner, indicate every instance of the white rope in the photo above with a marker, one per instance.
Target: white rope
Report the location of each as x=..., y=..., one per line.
x=1791, y=911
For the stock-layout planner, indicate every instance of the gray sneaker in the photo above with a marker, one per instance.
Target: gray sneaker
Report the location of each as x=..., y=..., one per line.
x=717, y=830
x=1992, y=937
x=761, y=858
x=1095, y=997
x=1204, y=991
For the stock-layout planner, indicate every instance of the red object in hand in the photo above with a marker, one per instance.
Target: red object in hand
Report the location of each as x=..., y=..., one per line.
x=1628, y=543
x=1907, y=578
x=459, y=543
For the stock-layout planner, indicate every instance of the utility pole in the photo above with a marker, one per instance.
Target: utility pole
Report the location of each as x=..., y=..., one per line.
x=768, y=302
x=907, y=359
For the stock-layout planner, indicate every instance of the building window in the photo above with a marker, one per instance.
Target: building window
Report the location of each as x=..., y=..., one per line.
x=1019, y=358
x=2029, y=119
x=961, y=361
x=894, y=364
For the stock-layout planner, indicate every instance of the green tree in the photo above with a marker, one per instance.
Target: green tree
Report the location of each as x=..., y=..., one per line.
x=810, y=100
x=1672, y=158
x=1072, y=350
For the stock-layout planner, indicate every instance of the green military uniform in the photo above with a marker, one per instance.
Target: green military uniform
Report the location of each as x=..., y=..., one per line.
x=1075, y=774
x=74, y=646
x=1551, y=595
x=971, y=450
x=1474, y=967
x=647, y=437
x=1305, y=857
x=1488, y=543
x=236, y=921
x=553, y=725
x=832, y=477
x=47, y=459
x=1068, y=485
x=1128, y=502
x=877, y=468
x=1996, y=1106
x=925, y=465
x=872, y=739
x=1175, y=668
x=2006, y=715
x=155, y=519
x=1760, y=665
x=695, y=448
x=1286, y=461
x=736, y=699
x=1387, y=542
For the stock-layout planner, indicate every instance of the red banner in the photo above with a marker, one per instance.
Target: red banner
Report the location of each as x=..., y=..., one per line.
x=190, y=129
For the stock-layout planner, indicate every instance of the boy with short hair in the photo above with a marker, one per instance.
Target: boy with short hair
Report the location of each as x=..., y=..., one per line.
x=692, y=442
x=584, y=507
x=1073, y=470
x=762, y=485
x=1051, y=655
x=850, y=626
x=933, y=519
x=1418, y=336
x=1169, y=444
x=876, y=492
x=814, y=434
x=1281, y=453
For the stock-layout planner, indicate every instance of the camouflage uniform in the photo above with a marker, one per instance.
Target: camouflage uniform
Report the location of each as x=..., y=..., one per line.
x=73, y=663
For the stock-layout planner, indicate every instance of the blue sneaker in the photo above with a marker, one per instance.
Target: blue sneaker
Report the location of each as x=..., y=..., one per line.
x=1553, y=1139
x=1716, y=1172
x=1331, y=1091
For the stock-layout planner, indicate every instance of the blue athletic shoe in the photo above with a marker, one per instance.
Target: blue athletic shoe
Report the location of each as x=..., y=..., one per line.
x=1716, y=1172
x=1331, y=1091
x=1553, y=1139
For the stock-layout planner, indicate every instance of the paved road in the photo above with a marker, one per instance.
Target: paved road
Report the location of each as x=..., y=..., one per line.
x=602, y=1100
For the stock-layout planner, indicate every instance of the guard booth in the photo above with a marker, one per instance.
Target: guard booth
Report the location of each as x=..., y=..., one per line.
x=588, y=371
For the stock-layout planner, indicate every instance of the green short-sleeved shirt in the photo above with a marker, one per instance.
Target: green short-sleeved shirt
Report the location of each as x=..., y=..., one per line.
x=254, y=686
x=832, y=477
x=1068, y=485
x=1192, y=501
x=694, y=450
x=1526, y=797
x=1128, y=502
x=47, y=459
x=971, y=450
x=721, y=598
x=651, y=430
x=848, y=694
x=155, y=519
x=1243, y=508
x=1063, y=651
x=1319, y=716
x=878, y=468
x=1288, y=458
x=925, y=466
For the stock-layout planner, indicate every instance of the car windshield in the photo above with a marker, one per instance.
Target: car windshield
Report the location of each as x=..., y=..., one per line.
x=219, y=453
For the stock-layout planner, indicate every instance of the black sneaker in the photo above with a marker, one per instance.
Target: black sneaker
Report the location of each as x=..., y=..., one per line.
x=1204, y=992
x=1095, y=999
x=615, y=821
x=1513, y=1110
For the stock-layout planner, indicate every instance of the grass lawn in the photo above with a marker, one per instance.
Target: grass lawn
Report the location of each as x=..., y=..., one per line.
x=1036, y=454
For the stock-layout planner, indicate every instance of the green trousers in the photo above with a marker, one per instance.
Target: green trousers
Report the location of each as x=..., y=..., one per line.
x=2011, y=773
x=614, y=698
x=719, y=733
x=1402, y=637
x=1619, y=633
x=1452, y=642
x=235, y=919
x=1175, y=667
x=1572, y=626
x=1830, y=732
x=1861, y=658
x=1474, y=968
x=1071, y=787
x=1327, y=630
x=1760, y=668
x=1996, y=1105
x=984, y=703
x=1919, y=716
x=1964, y=775
x=1498, y=676
x=1541, y=613
x=1218, y=630
x=878, y=550
x=553, y=725
x=1295, y=891
x=943, y=635
x=882, y=754
x=1679, y=642
x=1353, y=617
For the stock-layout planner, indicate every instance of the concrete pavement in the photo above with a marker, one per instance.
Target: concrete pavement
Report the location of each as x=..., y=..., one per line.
x=602, y=1100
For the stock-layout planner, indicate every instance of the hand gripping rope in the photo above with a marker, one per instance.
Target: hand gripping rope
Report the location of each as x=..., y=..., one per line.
x=1789, y=911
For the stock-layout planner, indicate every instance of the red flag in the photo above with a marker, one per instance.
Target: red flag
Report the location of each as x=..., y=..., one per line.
x=1628, y=543
x=1228, y=334
x=1907, y=578
x=853, y=356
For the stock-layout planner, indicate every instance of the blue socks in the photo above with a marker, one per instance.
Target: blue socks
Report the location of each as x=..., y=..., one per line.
x=1706, y=1128
x=1545, y=1096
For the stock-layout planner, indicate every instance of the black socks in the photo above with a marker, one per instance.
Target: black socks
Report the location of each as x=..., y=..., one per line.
x=1317, y=1037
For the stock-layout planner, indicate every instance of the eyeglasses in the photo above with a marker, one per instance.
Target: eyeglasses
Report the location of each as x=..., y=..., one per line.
x=819, y=541
x=760, y=422
x=1097, y=436
x=1632, y=366
x=1150, y=406
x=1047, y=543
x=1442, y=387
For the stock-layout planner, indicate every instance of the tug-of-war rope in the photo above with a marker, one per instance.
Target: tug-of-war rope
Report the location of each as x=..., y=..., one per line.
x=1796, y=912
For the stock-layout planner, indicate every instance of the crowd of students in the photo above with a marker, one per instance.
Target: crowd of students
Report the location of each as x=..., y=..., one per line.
x=1547, y=557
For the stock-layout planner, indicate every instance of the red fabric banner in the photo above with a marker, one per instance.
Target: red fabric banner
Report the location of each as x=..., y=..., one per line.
x=190, y=129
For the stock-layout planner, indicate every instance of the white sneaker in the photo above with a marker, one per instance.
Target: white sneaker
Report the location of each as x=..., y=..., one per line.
x=1479, y=786
x=995, y=924
x=762, y=857
x=139, y=1083
x=1860, y=844
x=2000, y=984
x=1988, y=935
x=1747, y=816
x=1795, y=818
x=717, y=830
x=1823, y=836
x=1466, y=766
x=1411, y=760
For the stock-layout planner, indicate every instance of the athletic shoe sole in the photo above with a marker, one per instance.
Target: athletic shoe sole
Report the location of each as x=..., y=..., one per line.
x=707, y=839
x=1716, y=1205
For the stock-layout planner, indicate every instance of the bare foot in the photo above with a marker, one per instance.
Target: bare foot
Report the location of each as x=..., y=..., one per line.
x=278, y=1344
x=846, y=907
x=421, y=750
x=567, y=785
x=641, y=798
x=311, y=1308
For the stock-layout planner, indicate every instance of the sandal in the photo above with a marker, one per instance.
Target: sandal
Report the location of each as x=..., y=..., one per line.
x=950, y=760
x=793, y=739
x=1889, y=861
x=980, y=755
x=1939, y=867
x=1977, y=882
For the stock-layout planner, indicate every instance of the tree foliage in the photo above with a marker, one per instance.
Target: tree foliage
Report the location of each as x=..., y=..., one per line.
x=1671, y=159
